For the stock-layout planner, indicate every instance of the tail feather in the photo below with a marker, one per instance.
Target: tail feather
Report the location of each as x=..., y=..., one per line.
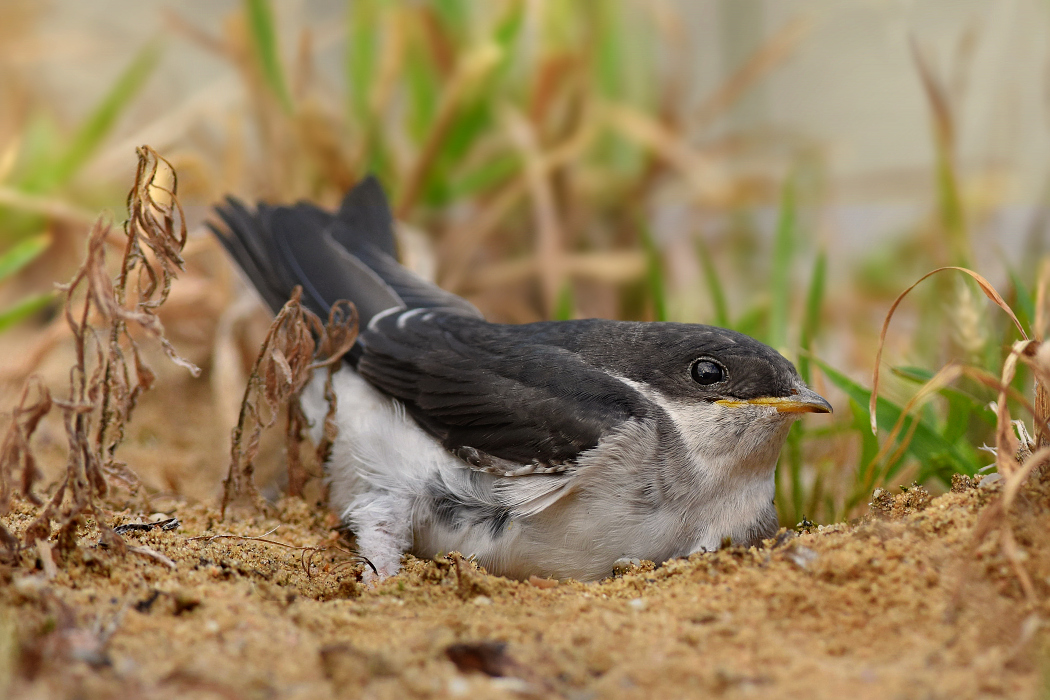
x=349, y=255
x=248, y=243
x=326, y=270
x=413, y=290
x=366, y=214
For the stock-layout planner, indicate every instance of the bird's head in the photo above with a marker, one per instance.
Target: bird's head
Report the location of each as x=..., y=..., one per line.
x=695, y=363
x=731, y=397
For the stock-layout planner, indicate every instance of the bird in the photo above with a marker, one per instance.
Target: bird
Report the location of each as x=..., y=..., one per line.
x=555, y=449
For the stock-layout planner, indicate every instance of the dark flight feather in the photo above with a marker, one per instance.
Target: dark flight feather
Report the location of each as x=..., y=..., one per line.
x=494, y=389
x=347, y=255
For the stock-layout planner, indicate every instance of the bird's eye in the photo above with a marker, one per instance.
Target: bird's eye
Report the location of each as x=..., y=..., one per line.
x=708, y=372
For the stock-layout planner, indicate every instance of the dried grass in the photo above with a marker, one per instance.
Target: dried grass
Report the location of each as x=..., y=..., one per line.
x=985, y=286
x=1016, y=457
x=16, y=455
x=104, y=386
x=297, y=343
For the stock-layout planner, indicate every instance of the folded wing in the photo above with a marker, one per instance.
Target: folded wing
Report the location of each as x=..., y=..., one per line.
x=494, y=394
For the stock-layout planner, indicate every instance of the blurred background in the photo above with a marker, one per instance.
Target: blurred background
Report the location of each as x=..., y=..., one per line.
x=781, y=167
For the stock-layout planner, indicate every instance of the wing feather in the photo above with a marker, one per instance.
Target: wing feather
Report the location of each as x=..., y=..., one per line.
x=495, y=390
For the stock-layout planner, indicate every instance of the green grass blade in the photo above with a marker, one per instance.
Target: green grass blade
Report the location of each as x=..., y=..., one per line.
x=38, y=154
x=362, y=52
x=714, y=285
x=780, y=277
x=654, y=273
x=264, y=39
x=472, y=120
x=753, y=321
x=609, y=51
x=469, y=123
x=24, y=309
x=937, y=456
x=816, y=496
x=23, y=253
x=1024, y=305
x=952, y=214
x=921, y=376
x=869, y=447
x=421, y=82
x=811, y=322
x=794, y=458
x=961, y=409
x=962, y=405
x=565, y=308
x=506, y=36
x=486, y=177
x=455, y=17
x=953, y=217
x=380, y=162
x=100, y=122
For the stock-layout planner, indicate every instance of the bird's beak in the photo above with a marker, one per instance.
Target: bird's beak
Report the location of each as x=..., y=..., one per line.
x=803, y=400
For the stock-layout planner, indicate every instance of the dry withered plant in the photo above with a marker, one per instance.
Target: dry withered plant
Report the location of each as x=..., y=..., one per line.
x=297, y=343
x=104, y=384
x=1017, y=456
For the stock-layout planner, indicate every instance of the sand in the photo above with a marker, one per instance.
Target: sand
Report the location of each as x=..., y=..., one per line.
x=903, y=604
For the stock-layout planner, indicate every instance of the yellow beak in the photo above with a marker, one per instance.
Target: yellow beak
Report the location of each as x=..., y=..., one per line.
x=804, y=400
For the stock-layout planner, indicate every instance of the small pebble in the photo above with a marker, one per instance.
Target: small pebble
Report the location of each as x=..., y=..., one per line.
x=638, y=604
x=30, y=586
x=482, y=600
x=458, y=687
x=990, y=480
x=511, y=684
x=625, y=564
x=802, y=556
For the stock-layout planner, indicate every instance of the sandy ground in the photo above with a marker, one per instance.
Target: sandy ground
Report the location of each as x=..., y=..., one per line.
x=901, y=606
x=905, y=603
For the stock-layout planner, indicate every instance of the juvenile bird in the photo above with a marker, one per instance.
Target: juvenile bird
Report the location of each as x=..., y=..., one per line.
x=549, y=449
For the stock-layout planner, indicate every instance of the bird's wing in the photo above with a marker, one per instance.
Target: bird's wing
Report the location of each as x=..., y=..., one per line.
x=501, y=399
